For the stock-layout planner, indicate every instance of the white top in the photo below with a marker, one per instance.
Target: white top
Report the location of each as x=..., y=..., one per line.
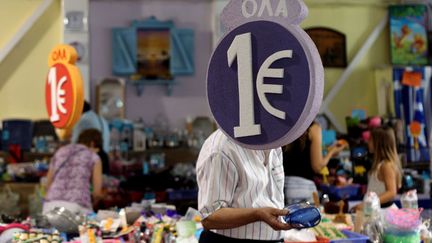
x=374, y=184
x=232, y=176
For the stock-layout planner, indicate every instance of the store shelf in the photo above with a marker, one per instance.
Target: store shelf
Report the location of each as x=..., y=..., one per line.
x=140, y=85
x=417, y=165
x=29, y=156
x=172, y=155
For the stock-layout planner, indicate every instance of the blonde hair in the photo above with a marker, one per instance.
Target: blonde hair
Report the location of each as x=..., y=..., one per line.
x=384, y=144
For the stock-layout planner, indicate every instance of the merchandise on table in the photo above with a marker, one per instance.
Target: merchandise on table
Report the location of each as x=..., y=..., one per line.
x=393, y=224
x=325, y=232
x=38, y=236
x=410, y=199
x=150, y=226
x=402, y=225
x=328, y=230
x=372, y=225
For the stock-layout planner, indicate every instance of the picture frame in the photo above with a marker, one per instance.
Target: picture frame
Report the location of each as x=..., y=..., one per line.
x=408, y=34
x=331, y=45
x=153, y=52
x=153, y=49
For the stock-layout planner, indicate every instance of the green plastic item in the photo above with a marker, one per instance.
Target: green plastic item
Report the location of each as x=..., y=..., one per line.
x=402, y=238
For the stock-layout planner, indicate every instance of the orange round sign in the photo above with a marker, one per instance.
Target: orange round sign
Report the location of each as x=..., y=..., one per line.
x=64, y=88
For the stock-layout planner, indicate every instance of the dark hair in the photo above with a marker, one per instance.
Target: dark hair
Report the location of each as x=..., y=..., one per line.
x=89, y=136
x=86, y=107
x=300, y=143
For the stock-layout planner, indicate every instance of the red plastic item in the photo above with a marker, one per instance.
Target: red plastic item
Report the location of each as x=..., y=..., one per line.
x=319, y=240
x=15, y=153
x=161, y=196
x=135, y=196
x=11, y=226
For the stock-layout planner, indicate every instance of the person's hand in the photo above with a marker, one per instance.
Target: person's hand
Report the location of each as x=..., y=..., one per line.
x=337, y=148
x=271, y=217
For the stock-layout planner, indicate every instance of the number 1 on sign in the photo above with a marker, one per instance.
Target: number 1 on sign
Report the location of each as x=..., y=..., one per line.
x=57, y=95
x=241, y=49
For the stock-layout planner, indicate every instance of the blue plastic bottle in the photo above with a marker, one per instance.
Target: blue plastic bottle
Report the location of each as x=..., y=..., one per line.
x=302, y=215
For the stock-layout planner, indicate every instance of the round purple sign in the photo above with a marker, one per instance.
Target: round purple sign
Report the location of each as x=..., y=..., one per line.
x=258, y=84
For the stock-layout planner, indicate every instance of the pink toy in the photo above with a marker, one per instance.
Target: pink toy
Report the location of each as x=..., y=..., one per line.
x=366, y=135
x=375, y=122
x=405, y=219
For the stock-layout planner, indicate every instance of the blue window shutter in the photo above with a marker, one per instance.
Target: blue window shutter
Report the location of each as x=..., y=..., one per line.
x=124, y=51
x=182, y=51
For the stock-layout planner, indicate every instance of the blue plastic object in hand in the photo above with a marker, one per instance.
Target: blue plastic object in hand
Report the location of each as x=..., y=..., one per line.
x=302, y=216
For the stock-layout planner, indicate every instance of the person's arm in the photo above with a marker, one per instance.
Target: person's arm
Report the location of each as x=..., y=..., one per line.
x=217, y=180
x=317, y=160
x=49, y=176
x=51, y=172
x=388, y=174
x=228, y=218
x=97, y=180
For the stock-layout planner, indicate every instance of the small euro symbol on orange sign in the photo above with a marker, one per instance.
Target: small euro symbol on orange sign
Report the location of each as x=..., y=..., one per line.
x=64, y=87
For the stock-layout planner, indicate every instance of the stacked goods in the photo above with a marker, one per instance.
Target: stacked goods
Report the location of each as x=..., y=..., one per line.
x=37, y=236
x=327, y=230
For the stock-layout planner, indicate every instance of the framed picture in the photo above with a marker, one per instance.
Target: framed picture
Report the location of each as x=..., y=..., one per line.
x=331, y=46
x=408, y=35
x=110, y=96
x=153, y=53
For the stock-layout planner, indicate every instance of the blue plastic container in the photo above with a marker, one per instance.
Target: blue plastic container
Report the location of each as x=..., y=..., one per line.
x=17, y=132
x=302, y=215
x=341, y=193
x=352, y=237
x=182, y=195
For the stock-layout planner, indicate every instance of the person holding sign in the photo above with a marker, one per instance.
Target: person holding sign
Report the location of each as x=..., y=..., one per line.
x=265, y=84
x=241, y=191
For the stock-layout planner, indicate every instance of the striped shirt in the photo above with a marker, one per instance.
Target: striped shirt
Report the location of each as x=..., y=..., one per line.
x=230, y=176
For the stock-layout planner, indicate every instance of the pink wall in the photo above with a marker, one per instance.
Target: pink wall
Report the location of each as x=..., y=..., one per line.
x=189, y=96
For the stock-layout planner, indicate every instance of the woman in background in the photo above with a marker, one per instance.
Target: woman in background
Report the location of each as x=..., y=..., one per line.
x=385, y=177
x=303, y=159
x=73, y=170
